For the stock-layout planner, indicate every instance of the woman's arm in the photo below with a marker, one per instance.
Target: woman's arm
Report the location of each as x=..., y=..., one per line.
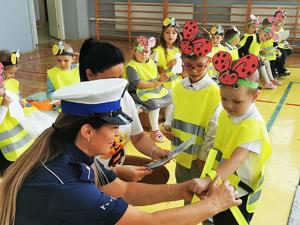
x=219, y=199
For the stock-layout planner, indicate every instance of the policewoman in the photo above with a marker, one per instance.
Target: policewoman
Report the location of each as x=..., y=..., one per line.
x=53, y=182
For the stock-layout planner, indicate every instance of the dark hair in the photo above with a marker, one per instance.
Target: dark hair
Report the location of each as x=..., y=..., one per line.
x=229, y=34
x=98, y=57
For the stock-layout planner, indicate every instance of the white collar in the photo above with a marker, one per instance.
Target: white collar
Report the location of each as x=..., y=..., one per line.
x=203, y=83
x=251, y=111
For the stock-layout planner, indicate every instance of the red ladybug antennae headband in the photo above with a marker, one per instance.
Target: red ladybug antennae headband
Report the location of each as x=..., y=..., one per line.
x=234, y=76
x=191, y=44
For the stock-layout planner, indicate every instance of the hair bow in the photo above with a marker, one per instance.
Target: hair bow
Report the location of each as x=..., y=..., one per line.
x=191, y=44
x=234, y=76
x=170, y=21
x=144, y=44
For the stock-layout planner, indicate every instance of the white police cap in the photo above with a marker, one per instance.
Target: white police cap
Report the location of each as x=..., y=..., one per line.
x=98, y=98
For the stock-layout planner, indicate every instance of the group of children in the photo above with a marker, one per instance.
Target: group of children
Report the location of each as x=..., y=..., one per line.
x=207, y=89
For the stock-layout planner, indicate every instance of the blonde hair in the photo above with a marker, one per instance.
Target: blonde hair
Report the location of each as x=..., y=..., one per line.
x=46, y=147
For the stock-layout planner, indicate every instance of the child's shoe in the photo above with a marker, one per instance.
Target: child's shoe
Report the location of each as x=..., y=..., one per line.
x=276, y=82
x=269, y=86
x=157, y=136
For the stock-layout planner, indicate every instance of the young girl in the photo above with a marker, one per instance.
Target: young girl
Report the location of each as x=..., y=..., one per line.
x=32, y=119
x=167, y=54
x=241, y=143
x=146, y=87
x=65, y=72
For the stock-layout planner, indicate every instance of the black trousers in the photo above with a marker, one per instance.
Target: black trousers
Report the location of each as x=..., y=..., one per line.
x=281, y=63
x=227, y=218
x=4, y=163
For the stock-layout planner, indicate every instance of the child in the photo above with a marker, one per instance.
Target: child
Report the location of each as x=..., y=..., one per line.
x=283, y=46
x=65, y=72
x=145, y=86
x=196, y=99
x=217, y=36
x=167, y=54
x=242, y=143
x=34, y=121
x=232, y=39
x=251, y=45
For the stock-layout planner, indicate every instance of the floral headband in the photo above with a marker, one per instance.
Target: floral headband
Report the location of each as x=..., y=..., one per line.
x=170, y=22
x=271, y=28
x=280, y=14
x=14, y=59
x=254, y=20
x=191, y=43
x=144, y=44
x=59, y=49
x=234, y=76
x=217, y=29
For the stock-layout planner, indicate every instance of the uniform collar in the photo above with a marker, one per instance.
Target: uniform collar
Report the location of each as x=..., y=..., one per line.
x=249, y=112
x=77, y=155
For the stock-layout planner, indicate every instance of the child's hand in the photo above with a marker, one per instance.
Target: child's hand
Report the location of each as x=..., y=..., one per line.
x=6, y=101
x=263, y=51
x=172, y=63
x=163, y=77
x=23, y=102
x=156, y=84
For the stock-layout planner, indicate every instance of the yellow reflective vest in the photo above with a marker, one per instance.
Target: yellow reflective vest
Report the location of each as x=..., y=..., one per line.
x=193, y=111
x=254, y=46
x=230, y=136
x=269, y=48
x=162, y=61
x=233, y=51
x=211, y=69
x=147, y=72
x=61, y=78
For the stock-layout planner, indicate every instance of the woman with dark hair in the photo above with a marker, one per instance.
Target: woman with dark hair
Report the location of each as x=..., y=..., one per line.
x=102, y=60
x=53, y=183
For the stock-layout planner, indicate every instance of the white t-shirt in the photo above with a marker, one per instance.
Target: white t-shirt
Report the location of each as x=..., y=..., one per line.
x=116, y=155
x=246, y=172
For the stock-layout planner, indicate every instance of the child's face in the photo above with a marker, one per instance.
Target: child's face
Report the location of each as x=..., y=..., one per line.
x=170, y=35
x=236, y=41
x=10, y=71
x=252, y=29
x=142, y=57
x=263, y=36
x=64, y=62
x=236, y=101
x=196, y=68
x=216, y=39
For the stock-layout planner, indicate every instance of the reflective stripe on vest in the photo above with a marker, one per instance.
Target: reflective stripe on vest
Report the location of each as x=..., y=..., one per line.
x=62, y=78
x=16, y=145
x=147, y=72
x=193, y=110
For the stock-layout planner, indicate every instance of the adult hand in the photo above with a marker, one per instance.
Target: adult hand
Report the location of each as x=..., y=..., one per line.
x=167, y=131
x=172, y=63
x=223, y=196
x=132, y=173
x=195, y=186
x=6, y=101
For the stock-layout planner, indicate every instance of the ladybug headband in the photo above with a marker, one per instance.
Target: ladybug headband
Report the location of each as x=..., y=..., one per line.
x=192, y=44
x=144, y=44
x=217, y=29
x=14, y=59
x=170, y=22
x=59, y=49
x=254, y=20
x=235, y=75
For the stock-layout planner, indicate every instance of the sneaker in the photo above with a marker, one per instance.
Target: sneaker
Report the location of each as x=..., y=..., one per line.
x=287, y=72
x=276, y=82
x=157, y=136
x=269, y=86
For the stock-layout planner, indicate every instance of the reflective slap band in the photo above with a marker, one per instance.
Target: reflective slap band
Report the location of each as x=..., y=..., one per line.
x=212, y=174
x=246, y=83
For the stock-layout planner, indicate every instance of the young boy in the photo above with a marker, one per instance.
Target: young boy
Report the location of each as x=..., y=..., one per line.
x=196, y=100
x=232, y=39
x=241, y=141
x=217, y=36
x=65, y=72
